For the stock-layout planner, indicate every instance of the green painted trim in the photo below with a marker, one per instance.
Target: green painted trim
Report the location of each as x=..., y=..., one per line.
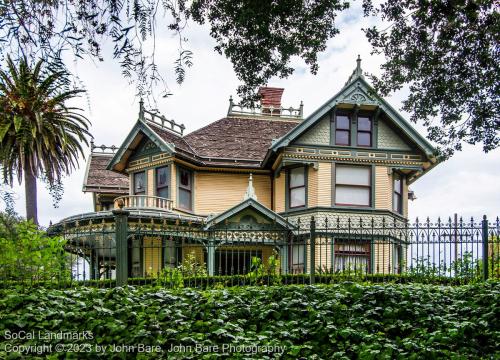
x=363, y=211
x=372, y=255
x=355, y=148
x=354, y=127
x=138, y=127
x=287, y=192
x=372, y=186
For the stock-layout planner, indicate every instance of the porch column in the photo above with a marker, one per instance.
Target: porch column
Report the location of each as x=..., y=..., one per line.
x=121, y=232
x=211, y=258
x=284, y=259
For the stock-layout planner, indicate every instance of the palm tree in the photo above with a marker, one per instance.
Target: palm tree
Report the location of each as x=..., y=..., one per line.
x=40, y=136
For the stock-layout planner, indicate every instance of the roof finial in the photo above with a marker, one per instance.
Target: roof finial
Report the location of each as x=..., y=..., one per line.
x=358, y=66
x=250, y=194
x=141, y=109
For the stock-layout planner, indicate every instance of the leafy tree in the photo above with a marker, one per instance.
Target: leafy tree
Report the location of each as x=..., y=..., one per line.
x=40, y=136
x=28, y=254
x=259, y=37
x=448, y=53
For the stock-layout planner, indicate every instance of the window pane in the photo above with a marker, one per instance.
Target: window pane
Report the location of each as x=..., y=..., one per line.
x=297, y=254
x=298, y=197
x=396, y=203
x=342, y=122
x=397, y=183
x=162, y=176
x=364, y=124
x=139, y=183
x=185, y=177
x=351, y=262
x=352, y=175
x=162, y=192
x=184, y=199
x=364, y=139
x=297, y=177
x=341, y=137
x=352, y=195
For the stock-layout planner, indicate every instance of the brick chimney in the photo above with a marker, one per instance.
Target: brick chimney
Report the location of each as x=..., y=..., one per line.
x=270, y=97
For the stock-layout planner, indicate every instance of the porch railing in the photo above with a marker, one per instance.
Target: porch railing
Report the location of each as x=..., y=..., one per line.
x=144, y=201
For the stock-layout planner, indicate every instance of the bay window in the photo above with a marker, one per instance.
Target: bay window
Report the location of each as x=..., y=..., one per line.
x=397, y=195
x=353, y=185
x=297, y=187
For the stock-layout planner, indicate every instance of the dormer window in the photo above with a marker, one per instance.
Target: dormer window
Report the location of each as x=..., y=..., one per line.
x=342, y=130
x=364, y=137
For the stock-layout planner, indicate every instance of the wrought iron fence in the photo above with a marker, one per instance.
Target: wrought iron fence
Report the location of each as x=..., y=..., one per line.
x=118, y=249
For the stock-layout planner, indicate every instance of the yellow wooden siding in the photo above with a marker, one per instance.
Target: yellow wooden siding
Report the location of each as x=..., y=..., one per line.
x=383, y=257
x=383, y=188
x=152, y=248
x=279, y=193
x=217, y=192
x=312, y=187
x=150, y=175
x=324, y=184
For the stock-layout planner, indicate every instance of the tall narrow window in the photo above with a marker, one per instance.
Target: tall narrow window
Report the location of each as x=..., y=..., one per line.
x=297, y=187
x=162, y=181
x=352, y=185
x=185, y=189
x=397, y=197
x=140, y=183
x=364, y=131
x=342, y=130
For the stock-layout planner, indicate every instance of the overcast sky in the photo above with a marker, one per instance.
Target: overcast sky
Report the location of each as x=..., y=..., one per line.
x=467, y=184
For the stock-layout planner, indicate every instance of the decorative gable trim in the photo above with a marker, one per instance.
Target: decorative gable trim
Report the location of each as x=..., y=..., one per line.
x=254, y=205
x=118, y=162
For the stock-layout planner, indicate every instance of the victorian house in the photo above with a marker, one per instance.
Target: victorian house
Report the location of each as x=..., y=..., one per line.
x=263, y=168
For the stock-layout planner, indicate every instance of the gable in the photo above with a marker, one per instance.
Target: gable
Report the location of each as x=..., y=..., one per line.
x=140, y=139
x=249, y=214
x=145, y=148
x=356, y=94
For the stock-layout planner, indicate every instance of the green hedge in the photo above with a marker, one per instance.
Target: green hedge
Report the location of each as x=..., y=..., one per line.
x=340, y=321
x=207, y=282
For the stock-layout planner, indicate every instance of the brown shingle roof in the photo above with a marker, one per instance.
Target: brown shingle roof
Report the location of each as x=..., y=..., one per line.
x=170, y=137
x=237, y=138
x=98, y=179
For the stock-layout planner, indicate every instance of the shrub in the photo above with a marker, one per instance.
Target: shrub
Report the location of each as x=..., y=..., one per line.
x=28, y=254
x=340, y=321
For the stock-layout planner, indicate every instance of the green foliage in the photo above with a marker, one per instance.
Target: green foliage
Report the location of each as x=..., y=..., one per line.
x=28, y=255
x=259, y=37
x=448, y=54
x=341, y=321
x=191, y=267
